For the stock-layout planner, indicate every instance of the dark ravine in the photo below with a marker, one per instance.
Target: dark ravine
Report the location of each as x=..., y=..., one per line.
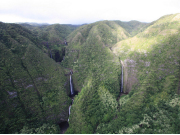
x=63, y=126
x=58, y=55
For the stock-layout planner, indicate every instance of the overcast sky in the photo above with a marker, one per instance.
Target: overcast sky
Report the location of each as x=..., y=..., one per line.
x=85, y=11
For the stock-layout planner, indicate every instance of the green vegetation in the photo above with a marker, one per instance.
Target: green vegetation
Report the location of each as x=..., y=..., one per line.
x=133, y=27
x=152, y=59
x=44, y=129
x=33, y=86
x=96, y=73
x=52, y=38
x=151, y=77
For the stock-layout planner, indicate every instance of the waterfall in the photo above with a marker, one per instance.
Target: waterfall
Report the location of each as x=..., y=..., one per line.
x=122, y=80
x=69, y=111
x=72, y=93
x=71, y=87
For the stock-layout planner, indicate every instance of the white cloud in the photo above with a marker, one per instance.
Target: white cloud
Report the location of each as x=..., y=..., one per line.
x=81, y=11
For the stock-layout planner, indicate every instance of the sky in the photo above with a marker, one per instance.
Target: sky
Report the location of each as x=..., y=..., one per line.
x=85, y=11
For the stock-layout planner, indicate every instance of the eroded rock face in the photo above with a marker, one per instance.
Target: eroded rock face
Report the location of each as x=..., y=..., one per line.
x=130, y=74
x=131, y=69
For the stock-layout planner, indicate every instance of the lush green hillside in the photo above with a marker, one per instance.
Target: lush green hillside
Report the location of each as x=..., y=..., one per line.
x=32, y=86
x=151, y=75
x=92, y=43
x=34, y=89
x=96, y=74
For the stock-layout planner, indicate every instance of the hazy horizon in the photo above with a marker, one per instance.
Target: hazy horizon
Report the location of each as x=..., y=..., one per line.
x=72, y=24
x=84, y=12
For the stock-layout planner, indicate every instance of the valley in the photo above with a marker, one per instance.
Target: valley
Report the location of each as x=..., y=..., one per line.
x=107, y=77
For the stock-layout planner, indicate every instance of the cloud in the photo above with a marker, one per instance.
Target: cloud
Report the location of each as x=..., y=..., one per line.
x=81, y=11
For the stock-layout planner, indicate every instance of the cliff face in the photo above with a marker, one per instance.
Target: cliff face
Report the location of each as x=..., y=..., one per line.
x=33, y=86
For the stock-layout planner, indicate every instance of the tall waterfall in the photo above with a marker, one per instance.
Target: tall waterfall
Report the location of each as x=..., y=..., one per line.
x=122, y=80
x=71, y=87
x=72, y=92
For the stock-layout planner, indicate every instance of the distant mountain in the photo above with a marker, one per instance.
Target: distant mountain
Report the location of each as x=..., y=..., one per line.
x=133, y=27
x=33, y=23
x=58, y=30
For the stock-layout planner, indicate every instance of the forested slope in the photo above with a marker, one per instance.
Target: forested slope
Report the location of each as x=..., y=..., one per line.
x=32, y=86
x=151, y=75
x=96, y=74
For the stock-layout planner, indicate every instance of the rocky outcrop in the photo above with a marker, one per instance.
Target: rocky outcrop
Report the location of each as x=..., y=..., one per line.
x=130, y=74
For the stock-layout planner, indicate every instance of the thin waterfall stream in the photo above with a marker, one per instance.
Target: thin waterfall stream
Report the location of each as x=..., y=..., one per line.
x=122, y=79
x=69, y=111
x=71, y=87
x=71, y=93
x=64, y=125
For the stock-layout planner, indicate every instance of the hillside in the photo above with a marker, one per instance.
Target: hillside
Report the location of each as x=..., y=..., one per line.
x=96, y=74
x=92, y=44
x=151, y=76
x=33, y=87
x=142, y=58
x=156, y=45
